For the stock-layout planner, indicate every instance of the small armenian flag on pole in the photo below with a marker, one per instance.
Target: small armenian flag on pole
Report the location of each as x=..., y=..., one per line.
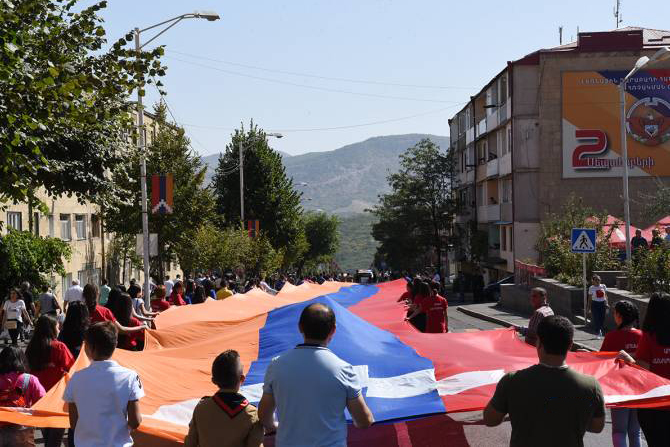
x=161, y=193
x=253, y=227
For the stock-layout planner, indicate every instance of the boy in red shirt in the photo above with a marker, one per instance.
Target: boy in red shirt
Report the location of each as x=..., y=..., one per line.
x=435, y=307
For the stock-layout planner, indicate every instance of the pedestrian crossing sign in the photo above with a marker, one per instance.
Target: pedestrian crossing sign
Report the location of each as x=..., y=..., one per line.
x=583, y=240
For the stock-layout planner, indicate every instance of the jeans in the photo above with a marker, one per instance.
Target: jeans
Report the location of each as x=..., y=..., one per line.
x=625, y=425
x=598, y=310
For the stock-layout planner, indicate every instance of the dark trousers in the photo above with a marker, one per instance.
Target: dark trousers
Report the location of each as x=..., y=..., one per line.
x=14, y=333
x=655, y=425
x=419, y=322
x=53, y=436
x=598, y=311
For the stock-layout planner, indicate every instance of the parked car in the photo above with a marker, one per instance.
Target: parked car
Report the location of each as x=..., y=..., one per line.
x=492, y=291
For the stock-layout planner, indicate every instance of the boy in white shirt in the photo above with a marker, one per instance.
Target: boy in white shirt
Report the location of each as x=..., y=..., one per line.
x=103, y=399
x=597, y=305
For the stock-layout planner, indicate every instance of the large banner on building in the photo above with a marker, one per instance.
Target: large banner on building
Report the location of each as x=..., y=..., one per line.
x=591, y=121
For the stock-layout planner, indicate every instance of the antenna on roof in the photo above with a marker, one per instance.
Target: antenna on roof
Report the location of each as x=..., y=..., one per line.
x=560, y=35
x=617, y=13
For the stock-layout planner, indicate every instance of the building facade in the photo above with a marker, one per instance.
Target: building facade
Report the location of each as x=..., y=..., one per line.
x=547, y=126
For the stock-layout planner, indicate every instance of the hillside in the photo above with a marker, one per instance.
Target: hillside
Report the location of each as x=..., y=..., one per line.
x=349, y=179
x=357, y=247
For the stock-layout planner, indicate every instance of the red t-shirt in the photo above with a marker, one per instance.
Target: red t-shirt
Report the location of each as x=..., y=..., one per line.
x=159, y=305
x=130, y=341
x=60, y=362
x=177, y=300
x=626, y=339
x=658, y=356
x=434, y=307
x=101, y=314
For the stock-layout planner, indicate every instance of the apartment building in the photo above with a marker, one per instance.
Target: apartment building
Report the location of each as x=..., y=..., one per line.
x=80, y=225
x=547, y=126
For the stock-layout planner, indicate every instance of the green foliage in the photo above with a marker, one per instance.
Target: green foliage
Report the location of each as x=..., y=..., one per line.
x=554, y=243
x=657, y=204
x=322, y=236
x=357, y=246
x=26, y=257
x=231, y=248
x=63, y=107
x=650, y=270
x=415, y=217
x=169, y=152
x=268, y=192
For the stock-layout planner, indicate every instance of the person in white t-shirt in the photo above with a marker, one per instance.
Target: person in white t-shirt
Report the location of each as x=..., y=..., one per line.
x=74, y=293
x=13, y=314
x=103, y=399
x=169, y=284
x=597, y=304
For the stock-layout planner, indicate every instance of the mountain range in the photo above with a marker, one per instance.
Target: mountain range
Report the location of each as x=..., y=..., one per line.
x=347, y=180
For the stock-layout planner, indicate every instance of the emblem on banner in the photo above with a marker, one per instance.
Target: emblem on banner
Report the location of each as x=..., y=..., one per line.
x=648, y=121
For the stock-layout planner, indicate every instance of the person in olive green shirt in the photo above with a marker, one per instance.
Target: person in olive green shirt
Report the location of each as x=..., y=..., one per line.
x=549, y=404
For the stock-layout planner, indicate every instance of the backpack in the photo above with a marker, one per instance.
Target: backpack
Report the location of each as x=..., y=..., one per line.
x=16, y=395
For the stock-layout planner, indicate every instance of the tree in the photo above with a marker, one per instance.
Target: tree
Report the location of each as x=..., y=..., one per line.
x=657, y=204
x=169, y=152
x=26, y=257
x=416, y=216
x=322, y=238
x=63, y=109
x=268, y=192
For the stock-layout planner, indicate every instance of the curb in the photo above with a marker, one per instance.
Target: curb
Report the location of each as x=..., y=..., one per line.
x=505, y=323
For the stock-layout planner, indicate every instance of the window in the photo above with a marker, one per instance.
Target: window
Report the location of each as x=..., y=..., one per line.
x=507, y=191
x=468, y=116
x=503, y=238
x=95, y=225
x=502, y=141
x=510, y=239
x=80, y=225
x=65, y=227
x=36, y=223
x=14, y=220
x=480, y=195
x=82, y=277
x=509, y=139
x=482, y=152
x=66, y=281
x=502, y=94
x=51, y=226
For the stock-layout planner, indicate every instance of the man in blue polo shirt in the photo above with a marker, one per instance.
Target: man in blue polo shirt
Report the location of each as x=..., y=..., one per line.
x=310, y=387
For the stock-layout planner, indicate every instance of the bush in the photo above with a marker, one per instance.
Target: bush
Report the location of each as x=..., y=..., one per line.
x=650, y=271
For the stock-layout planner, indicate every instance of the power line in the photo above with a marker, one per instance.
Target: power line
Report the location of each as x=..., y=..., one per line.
x=312, y=87
x=352, y=126
x=327, y=78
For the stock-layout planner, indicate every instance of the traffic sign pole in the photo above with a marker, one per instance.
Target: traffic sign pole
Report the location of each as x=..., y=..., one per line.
x=586, y=320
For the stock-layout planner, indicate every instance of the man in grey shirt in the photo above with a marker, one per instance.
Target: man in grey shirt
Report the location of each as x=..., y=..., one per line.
x=47, y=302
x=310, y=387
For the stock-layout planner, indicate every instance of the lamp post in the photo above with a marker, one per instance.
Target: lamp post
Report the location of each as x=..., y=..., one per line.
x=141, y=143
x=644, y=61
x=241, y=151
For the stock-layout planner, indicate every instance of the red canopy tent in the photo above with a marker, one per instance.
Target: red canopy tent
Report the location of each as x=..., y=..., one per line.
x=659, y=225
x=618, y=237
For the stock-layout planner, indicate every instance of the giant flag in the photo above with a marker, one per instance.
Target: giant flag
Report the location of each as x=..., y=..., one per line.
x=407, y=375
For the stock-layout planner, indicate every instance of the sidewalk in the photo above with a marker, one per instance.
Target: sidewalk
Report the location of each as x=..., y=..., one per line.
x=491, y=312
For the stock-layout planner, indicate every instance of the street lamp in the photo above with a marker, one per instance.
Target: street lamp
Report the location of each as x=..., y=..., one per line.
x=241, y=151
x=661, y=55
x=209, y=16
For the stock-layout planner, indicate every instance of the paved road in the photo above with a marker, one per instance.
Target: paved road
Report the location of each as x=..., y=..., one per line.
x=479, y=435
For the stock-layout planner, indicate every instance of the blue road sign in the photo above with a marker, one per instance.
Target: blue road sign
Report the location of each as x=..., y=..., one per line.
x=583, y=240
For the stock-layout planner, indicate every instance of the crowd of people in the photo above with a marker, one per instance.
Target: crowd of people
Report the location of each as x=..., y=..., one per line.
x=309, y=387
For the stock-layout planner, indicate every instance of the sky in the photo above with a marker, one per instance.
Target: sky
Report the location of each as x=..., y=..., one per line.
x=327, y=73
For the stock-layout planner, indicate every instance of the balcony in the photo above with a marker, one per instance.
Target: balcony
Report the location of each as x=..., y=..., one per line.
x=505, y=164
x=492, y=168
x=481, y=171
x=508, y=256
x=481, y=128
x=488, y=213
x=469, y=176
x=492, y=120
x=470, y=135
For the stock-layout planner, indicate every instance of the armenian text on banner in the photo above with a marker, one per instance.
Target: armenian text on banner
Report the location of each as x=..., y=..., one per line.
x=161, y=193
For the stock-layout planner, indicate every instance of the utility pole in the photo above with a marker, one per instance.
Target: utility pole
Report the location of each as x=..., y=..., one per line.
x=617, y=13
x=560, y=35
